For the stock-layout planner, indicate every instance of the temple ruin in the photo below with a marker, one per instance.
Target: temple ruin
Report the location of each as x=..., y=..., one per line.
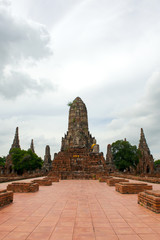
x=32, y=146
x=79, y=156
x=15, y=144
x=146, y=161
x=47, y=164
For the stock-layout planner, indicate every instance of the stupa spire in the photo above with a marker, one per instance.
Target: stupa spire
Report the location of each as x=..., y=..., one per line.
x=15, y=143
x=78, y=135
x=32, y=146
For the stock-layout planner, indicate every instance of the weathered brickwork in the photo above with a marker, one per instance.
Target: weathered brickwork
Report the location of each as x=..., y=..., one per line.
x=132, y=188
x=79, y=157
x=104, y=178
x=146, y=161
x=150, y=200
x=6, y=197
x=52, y=179
x=23, y=187
x=113, y=181
x=43, y=182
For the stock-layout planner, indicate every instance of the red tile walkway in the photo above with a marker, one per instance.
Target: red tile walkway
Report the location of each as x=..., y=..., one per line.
x=77, y=210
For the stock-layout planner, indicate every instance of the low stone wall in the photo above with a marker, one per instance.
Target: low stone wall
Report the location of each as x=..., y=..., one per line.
x=113, y=181
x=6, y=197
x=52, y=179
x=104, y=178
x=132, y=188
x=138, y=178
x=150, y=200
x=15, y=178
x=43, y=182
x=23, y=187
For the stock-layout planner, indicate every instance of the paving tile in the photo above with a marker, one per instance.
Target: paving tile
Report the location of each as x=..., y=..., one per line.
x=89, y=210
x=3, y=234
x=122, y=230
x=149, y=236
x=39, y=235
x=128, y=237
x=16, y=236
x=143, y=230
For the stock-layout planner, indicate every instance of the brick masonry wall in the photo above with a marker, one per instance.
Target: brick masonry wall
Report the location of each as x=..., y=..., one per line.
x=104, y=178
x=23, y=187
x=138, y=178
x=6, y=197
x=132, y=188
x=43, y=182
x=150, y=200
x=52, y=179
x=113, y=181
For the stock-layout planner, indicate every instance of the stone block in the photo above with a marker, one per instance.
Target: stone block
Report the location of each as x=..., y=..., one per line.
x=104, y=178
x=6, y=197
x=23, y=187
x=132, y=188
x=150, y=199
x=113, y=181
x=52, y=179
x=43, y=182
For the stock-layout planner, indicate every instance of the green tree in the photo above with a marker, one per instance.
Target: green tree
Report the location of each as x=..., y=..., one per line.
x=124, y=155
x=2, y=161
x=25, y=160
x=157, y=163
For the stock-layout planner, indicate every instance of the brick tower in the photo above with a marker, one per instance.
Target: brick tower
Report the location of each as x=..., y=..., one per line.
x=146, y=161
x=79, y=156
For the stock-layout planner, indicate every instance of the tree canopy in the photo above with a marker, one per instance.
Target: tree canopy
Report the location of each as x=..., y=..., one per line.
x=125, y=155
x=2, y=161
x=157, y=163
x=25, y=160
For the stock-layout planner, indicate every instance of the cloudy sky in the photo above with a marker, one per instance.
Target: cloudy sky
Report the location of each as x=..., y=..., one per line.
x=106, y=52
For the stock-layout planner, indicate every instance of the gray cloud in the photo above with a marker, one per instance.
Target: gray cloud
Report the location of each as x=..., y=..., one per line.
x=20, y=41
x=18, y=83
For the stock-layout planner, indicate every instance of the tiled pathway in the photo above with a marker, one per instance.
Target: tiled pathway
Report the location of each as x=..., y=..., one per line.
x=76, y=210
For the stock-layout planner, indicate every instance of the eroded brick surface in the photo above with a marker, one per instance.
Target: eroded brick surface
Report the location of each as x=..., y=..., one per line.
x=43, y=182
x=150, y=200
x=23, y=187
x=113, y=181
x=132, y=188
x=6, y=197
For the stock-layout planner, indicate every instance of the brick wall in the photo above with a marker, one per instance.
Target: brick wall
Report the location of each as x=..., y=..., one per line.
x=104, y=178
x=52, y=179
x=132, y=188
x=113, y=181
x=43, y=182
x=150, y=200
x=23, y=187
x=6, y=197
